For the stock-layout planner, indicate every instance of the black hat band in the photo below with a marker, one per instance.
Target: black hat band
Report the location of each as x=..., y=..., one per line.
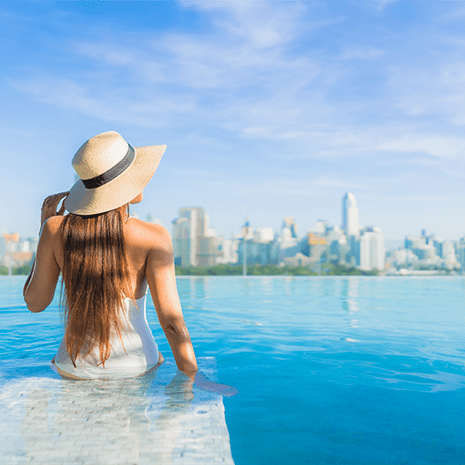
x=112, y=173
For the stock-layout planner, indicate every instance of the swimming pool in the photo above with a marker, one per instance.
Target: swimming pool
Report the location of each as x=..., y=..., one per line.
x=356, y=370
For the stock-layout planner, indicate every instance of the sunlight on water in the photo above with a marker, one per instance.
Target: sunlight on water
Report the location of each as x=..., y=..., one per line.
x=352, y=370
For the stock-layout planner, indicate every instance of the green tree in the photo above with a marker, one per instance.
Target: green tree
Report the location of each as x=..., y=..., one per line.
x=22, y=270
x=271, y=270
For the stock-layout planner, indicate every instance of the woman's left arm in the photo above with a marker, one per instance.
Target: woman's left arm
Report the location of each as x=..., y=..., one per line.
x=39, y=288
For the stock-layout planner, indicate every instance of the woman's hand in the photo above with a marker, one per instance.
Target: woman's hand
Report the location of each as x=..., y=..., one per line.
x=202, y=382
x=49, y=207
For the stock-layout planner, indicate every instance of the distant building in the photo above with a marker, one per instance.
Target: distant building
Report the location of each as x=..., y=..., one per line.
x=350, y=222
x=461, y=254
x=207, y=251
x=289, y=222
x=262, y=249
x=22, y=258
x=339, y=250
x=338, y=247
x=426, y=252
x=321, y=228
x=299, y=260
x=447, y=249
x=353, y=255
x=33, y=242
x=372, y=253
x=2, y=246
x=413, y=242
x=182, y=242
x=24, y=246
x=402, y=258
x=317, y=246
x=9, y=246
x=263, y=235
x=227, y=250
x=288, y=241
x=435, y=253
x=191, y=241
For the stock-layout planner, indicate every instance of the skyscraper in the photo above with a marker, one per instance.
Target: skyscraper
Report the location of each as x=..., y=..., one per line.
x=372, y=251
x=289, y=222
x=350, y=223
x=192, y=243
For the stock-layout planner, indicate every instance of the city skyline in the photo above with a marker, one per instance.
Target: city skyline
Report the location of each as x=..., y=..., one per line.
x=237, y=231
x=194, y=221
x=351, y=247
x=268, y=109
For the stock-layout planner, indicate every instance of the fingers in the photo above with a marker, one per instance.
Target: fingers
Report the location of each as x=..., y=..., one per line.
x=51, y=202
x=54, y=199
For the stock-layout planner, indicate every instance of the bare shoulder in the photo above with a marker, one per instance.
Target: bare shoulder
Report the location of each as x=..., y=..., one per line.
x=53, y=224
x=153, y=241
x=50, y=240
x=50, y=232
x=148, y=235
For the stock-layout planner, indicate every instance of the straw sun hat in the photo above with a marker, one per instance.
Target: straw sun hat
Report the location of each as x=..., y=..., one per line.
x=111, y=173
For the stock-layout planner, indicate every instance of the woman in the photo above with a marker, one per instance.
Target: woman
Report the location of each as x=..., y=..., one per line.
x=107, y=260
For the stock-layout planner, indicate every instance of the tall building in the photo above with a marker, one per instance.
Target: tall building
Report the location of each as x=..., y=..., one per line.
x=262, y=249
x=289, y=223
x=288, y=241
x=350, y=223
x=192, y=244
x=317, y=246
x=461, y=254
x=263, y=235
x=2, y=246
x=372, y=251
x=227, y=250
x=423, y=247
x=182, y=241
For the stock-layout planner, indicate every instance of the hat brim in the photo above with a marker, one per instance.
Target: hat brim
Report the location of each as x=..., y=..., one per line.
x=120, y=190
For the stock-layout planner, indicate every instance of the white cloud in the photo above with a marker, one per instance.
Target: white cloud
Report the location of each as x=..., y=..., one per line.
x=260, y=24
x=427, y=90
x=438, y=146
x=243, y=75
x=456, y=14
x=360, y=53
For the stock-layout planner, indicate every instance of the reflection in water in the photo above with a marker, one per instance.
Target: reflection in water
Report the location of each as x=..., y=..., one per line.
x=246, y=286
x=350, y=295
x=199, y=288
x=267, y=284
x=158, y=418
x=193, y=290
x=288, y=285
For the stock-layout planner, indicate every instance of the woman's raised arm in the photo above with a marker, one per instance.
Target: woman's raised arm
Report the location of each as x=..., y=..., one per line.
x=40, y=285
x=39, y=288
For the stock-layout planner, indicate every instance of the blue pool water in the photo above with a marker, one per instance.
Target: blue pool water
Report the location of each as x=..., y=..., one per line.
x=357, y=370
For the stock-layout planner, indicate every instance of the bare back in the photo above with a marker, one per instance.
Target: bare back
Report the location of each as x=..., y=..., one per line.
x=150, y=262
x=139, y=237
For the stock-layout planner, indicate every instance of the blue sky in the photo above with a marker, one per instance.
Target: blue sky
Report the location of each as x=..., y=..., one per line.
x=268, y=108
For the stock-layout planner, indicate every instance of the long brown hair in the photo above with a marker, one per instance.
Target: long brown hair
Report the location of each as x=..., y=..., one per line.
x=96, y=280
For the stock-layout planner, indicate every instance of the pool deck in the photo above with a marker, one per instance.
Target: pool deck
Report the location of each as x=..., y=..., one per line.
x=155, y=419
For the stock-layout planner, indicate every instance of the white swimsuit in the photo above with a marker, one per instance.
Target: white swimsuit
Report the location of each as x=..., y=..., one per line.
x=139, y=354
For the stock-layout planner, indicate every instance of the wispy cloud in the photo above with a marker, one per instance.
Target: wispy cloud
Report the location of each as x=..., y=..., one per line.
x=360, y=53
x=259, y=25
x=244, y=75
x=289, y=88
